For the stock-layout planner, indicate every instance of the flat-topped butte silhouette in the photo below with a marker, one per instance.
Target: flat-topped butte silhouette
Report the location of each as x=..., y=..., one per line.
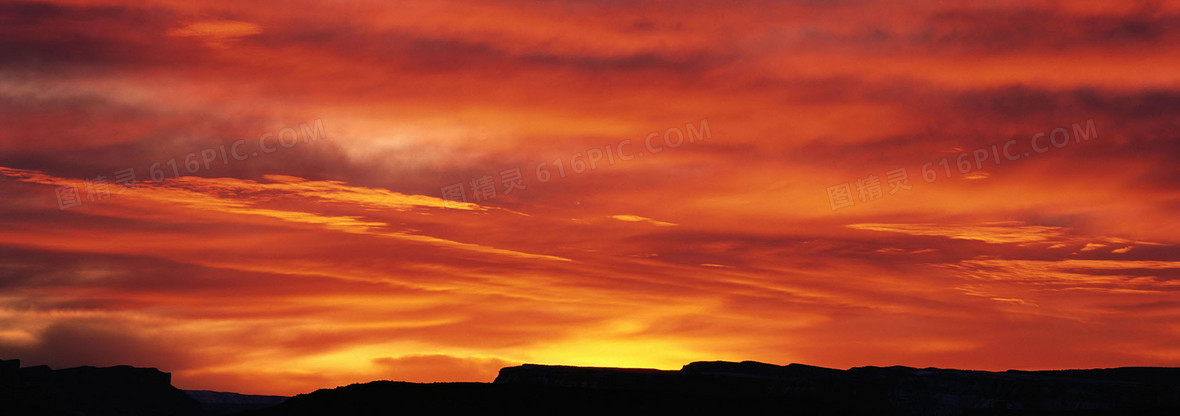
x=110, y=391
x=758, y=388
x=697, y=388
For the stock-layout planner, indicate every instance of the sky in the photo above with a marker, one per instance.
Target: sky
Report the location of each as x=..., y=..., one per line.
x=272, y=200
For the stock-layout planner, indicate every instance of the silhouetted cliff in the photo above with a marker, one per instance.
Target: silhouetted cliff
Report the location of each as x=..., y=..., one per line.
x=757, y=388
x=890, y=390
x=90, y=391
x=698, y=388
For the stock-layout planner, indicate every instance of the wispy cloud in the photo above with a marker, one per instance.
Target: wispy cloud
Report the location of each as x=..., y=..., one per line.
x=636, y=218
x=989, y=233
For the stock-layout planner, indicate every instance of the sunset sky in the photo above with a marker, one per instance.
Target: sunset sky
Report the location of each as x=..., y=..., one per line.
x=272, y=199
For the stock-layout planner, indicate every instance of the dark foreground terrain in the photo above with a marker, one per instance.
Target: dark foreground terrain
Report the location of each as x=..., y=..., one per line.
x=698, y=388
x=110, y=391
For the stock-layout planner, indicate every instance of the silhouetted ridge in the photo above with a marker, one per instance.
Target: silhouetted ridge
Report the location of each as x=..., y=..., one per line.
x=758, y=388
x=588, y=377
x=90, y=391
x=220, y=403
x=698, y=388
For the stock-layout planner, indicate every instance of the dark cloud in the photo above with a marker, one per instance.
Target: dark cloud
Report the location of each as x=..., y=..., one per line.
x=1007, y=31
x=83, y=40
x=98, y=342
